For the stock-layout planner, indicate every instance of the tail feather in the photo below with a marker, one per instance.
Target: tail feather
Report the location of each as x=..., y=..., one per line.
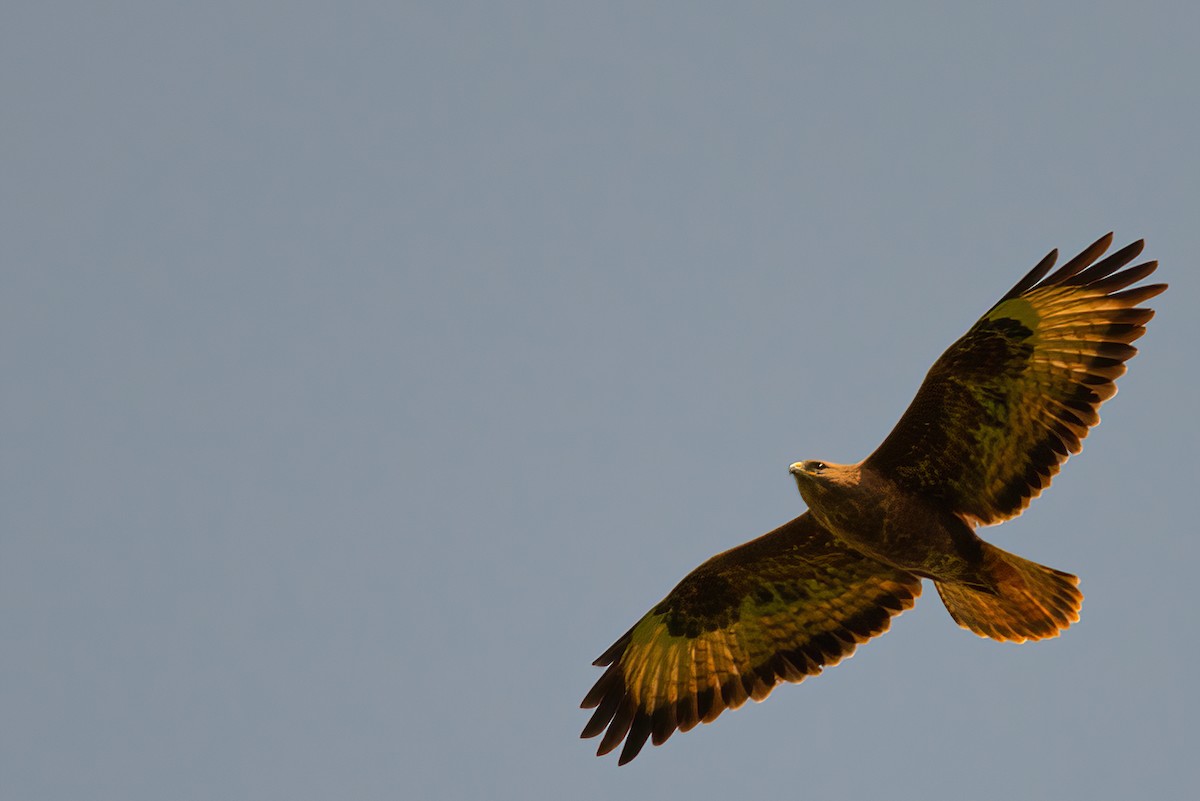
x=1030, y=601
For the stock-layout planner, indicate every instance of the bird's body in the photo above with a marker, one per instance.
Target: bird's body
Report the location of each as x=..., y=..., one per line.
x=993, y=422
x=867, y=512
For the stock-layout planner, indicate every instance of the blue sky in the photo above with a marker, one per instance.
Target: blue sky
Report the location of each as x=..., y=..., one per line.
x=372, y=367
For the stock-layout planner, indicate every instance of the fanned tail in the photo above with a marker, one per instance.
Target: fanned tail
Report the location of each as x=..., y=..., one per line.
x=1030, y=602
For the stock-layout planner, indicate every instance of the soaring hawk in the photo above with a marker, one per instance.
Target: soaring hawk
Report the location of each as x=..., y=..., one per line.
x=996, y=417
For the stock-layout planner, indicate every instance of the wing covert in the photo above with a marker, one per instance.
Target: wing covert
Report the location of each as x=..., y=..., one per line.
x=779, y=608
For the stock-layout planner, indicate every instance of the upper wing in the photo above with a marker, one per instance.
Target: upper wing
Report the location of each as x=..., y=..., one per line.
x=778, y=608
x=1004, y=407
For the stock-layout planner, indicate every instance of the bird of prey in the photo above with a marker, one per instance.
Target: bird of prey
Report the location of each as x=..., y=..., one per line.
x=994, y=420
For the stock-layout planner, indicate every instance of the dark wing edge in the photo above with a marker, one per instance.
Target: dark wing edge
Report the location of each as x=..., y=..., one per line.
x=777, y=609
x=1087, y=317
x=1081, y=272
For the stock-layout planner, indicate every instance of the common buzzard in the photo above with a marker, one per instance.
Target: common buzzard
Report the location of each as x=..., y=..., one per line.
x=993, y=422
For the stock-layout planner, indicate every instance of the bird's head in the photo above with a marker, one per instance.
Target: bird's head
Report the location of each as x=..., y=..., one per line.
x=816, y=479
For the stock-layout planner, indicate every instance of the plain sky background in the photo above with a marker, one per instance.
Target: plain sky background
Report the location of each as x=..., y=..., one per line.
x=370, y=367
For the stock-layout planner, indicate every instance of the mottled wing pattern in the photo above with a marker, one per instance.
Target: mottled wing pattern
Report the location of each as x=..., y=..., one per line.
x=1004, y=407
x=779, y=608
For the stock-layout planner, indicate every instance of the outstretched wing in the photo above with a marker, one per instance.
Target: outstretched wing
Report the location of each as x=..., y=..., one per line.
x=778, y=608
x=1004, y=407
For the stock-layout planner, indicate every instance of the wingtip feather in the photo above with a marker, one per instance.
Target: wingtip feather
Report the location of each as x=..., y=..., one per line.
x=1081, y=261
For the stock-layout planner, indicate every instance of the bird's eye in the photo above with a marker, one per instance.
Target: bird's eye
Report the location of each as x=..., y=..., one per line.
x=818, y=466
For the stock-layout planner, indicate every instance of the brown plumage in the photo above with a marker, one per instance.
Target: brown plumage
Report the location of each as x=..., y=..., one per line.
x=993, y=422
